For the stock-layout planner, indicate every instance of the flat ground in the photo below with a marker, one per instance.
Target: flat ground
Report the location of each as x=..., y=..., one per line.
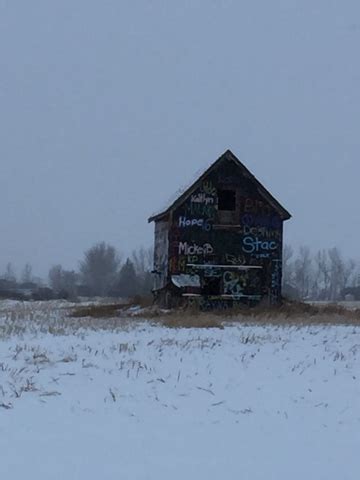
x=128, y=399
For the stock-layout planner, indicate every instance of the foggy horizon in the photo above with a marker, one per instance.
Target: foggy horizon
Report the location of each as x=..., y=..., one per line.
x=108, y=110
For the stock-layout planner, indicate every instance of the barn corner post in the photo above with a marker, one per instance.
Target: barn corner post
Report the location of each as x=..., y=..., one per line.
x=275, y=297
x=219, y=244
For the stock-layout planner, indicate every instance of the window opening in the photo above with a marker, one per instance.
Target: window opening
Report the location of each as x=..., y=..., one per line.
x=227, y=200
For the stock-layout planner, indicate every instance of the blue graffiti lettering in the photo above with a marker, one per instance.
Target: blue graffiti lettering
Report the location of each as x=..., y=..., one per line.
x=254, y=245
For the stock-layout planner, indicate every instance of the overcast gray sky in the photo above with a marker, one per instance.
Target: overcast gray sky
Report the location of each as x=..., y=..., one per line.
x=109, y=106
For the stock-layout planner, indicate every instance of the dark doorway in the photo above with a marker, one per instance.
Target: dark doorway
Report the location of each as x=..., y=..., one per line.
x=211, y=286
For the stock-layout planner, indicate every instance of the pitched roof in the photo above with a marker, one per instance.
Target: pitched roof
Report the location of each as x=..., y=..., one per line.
x=182, y=194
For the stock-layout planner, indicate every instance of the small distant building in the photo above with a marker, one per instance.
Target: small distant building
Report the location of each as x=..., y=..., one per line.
x=219, y=242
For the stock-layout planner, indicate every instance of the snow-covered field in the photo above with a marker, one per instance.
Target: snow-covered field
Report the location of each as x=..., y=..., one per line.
x=131, y=400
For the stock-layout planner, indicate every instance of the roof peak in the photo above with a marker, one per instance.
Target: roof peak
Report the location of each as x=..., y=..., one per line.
x=183, y=193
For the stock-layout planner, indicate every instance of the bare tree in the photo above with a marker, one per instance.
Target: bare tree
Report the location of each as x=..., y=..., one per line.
x=63, y=281
x=56, y=277
x=349, y=273
x=288, y=266
x=142, y=259
x=303, y=271
x=340, y=273
x=27, y=275
x=69, y=282
x=323, y=276
x=100, y=267
x=10, y=275
x=323, y=273
x=355, y=280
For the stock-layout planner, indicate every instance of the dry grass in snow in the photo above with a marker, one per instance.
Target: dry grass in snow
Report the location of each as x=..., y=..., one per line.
x=126, y=398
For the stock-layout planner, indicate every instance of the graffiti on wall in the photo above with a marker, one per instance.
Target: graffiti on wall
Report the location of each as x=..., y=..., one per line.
x=268, y=221
x=208, y=188
x=186, y=248
x=212, y=272
x=255, y=206
x=256, y=245
x=203, y=198
x=197, y=238
x=203, y=202
x=263, y=232
x=218, y=303
x=234, y=283
x=235, y=259
x=185, y=222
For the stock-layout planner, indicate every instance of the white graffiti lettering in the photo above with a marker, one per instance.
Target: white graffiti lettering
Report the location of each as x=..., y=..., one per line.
x=194, y=222
x=202, y=198
x=235, y=259
x=194, y=249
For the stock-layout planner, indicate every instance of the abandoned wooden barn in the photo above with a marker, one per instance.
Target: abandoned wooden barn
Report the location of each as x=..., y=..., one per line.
x=219, y=243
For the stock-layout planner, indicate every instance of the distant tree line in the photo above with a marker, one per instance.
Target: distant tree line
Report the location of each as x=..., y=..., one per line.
x=101, y=272
x=22, y=287
x=323, y=275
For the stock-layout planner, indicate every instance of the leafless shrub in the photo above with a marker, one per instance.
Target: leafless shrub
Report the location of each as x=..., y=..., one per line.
x=64, y=319
x=29, y=386
x=178, y=320
x=113, y=396
x=69, y=358
x=50, y=394
x=99, y=311
x=40, y=357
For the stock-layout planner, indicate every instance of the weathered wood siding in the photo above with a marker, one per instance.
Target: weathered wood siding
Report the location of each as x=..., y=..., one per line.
x=161, y=254
x=249, y=235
